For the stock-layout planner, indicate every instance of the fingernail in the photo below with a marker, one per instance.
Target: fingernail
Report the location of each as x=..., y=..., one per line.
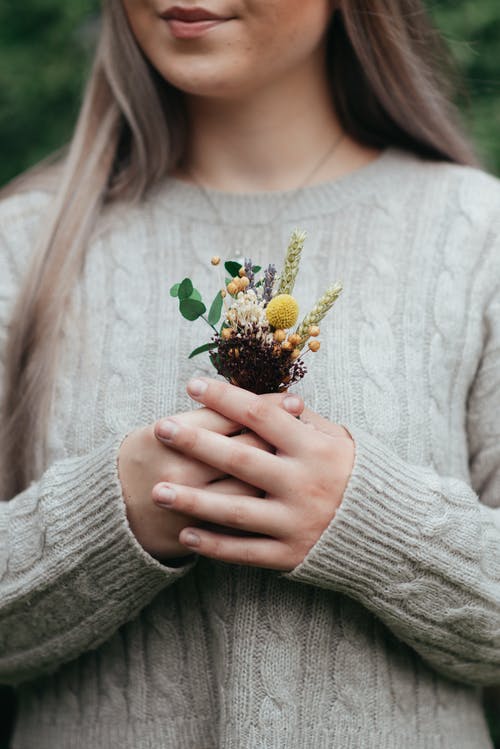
x=197, y=387
x=167, y=429
x=191, y=539
x=166, y=496
x=292, y=403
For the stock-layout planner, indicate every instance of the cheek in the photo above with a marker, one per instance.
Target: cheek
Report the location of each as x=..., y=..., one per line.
x=284, y=30
x=145, y=26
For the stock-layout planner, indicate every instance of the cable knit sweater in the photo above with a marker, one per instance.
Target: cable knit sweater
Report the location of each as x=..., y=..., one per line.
x=384, y=635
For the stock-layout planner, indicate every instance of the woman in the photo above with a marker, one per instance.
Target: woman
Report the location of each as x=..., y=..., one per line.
x=361, y=605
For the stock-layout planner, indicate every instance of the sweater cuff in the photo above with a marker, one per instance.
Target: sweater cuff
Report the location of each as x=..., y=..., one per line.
x=374, y=540
x=89, y=524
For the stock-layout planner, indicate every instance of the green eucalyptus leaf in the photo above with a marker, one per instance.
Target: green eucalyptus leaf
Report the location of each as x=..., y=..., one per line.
x=215, y=310
x=195, y=294
x=233, y=268
x=256, y=268
x=192, y=309
x=174, y=289
x=185, y=289
x=202, y=349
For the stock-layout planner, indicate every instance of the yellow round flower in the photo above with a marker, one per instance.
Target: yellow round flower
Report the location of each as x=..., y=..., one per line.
x=282, y=311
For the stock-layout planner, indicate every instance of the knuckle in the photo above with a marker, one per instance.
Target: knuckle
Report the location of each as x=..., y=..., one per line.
x=189, y=504
x=293, y=554
x=188, y=438
x=237, y=516
x=217, y=550
x=324, y=450
x=259, y=409
x=249, y=556
x=238, y=459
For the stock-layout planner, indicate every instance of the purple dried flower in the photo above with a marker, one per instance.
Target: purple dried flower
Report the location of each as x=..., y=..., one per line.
x=269, y=275
x=249, y=272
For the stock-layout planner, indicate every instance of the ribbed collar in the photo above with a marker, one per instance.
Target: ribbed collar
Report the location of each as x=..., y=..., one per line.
x=257, y=208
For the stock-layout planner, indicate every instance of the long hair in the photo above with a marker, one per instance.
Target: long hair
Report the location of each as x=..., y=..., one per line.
x=392, y=83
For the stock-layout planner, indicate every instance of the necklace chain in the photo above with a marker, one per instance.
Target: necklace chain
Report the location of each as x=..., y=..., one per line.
x=310, y=175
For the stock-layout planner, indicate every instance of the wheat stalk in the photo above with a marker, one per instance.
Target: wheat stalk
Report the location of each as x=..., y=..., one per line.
x=318, y=312
x=292, y=261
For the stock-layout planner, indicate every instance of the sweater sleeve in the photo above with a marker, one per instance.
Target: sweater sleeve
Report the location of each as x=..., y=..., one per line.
x=71, y=570
x=421, y=550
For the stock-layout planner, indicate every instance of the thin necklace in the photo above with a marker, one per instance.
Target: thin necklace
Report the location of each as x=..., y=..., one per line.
x=287, y=200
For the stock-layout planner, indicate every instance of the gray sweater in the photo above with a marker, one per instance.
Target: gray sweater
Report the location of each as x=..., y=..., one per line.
x=384, y=635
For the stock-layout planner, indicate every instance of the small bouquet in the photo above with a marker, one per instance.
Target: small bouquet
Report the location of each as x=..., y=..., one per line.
x=259, y=345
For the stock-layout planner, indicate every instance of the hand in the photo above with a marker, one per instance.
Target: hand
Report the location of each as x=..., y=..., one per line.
x=143, y=461
x=304, y=480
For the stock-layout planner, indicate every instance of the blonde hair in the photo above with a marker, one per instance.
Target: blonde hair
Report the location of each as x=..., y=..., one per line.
x=390, y=78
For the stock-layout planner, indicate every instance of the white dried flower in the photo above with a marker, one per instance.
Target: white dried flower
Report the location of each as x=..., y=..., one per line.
x=246, y=311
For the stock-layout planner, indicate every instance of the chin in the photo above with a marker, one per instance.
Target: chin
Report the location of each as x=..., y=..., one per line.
x=215, y=85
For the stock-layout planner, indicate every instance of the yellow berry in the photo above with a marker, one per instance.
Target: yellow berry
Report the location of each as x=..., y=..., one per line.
x=294, y=339
x=314, y=345
x=244, y=282
x=295, y=354
x=215, y=260
x=279, y=335
x=242, y=272
x=286, y=346
x=232, y=288
x=282, y=311
x=223, y=293
x=227, y=333
x=314, y=330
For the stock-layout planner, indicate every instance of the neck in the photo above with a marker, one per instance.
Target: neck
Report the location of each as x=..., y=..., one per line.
x=268, y=140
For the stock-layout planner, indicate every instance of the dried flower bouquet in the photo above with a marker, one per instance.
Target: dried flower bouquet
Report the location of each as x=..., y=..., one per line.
x=258, y=345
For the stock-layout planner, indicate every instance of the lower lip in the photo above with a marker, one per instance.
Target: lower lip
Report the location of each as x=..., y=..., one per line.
x=192, y=29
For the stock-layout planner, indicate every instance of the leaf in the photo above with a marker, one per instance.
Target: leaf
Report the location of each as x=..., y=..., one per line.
x=185, y=289
x=195, y=294
x=256, y=268
x=192, y=309
x=202, y=349
x=215, y=309
x=174, y=290
x=233, y=268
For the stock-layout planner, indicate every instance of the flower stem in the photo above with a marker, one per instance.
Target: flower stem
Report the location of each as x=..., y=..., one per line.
x=209, y=323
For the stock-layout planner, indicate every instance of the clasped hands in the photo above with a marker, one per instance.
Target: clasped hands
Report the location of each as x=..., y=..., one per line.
x=300, y=470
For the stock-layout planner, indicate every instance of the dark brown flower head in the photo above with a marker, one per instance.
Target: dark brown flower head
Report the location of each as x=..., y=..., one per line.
x=255, y=364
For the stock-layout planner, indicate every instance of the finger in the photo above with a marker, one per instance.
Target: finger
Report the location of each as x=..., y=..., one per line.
x=312, y=419
x=265, y=516
x=260, y=414
x=284, y=400
x=253, y=552
x=233, y=486
x=206, y=418
x=250, y=464
x=253, y=440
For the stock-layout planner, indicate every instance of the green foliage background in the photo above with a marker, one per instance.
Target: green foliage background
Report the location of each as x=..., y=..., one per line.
x=46, y=46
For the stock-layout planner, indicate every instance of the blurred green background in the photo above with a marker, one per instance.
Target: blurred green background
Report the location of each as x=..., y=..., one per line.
x=46, y=45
